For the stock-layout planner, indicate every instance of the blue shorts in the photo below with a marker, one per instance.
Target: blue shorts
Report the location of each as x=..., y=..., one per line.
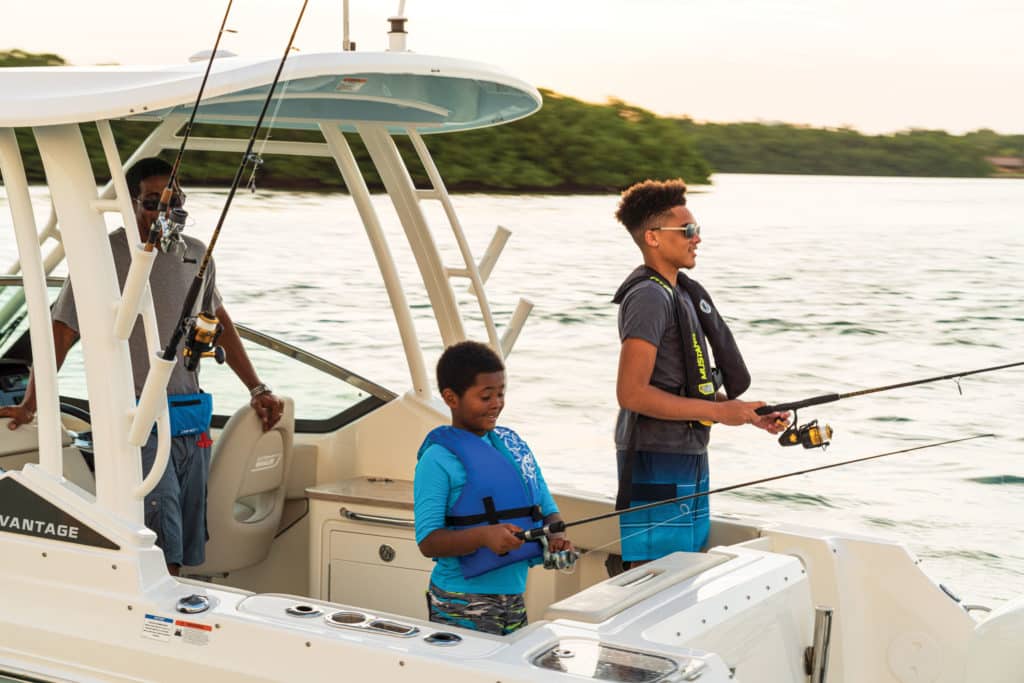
x=176, y=508
x=654, y=533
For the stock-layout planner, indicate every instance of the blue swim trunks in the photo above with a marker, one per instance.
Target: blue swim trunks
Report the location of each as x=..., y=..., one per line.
x=654, y=533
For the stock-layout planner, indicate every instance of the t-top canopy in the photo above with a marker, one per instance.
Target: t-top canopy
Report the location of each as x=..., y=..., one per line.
x=430, y=94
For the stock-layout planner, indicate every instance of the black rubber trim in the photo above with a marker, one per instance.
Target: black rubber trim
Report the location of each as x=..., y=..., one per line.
x=302, y=426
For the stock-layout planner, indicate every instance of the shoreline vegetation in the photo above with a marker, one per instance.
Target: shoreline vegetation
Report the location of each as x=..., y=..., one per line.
x=571, y=146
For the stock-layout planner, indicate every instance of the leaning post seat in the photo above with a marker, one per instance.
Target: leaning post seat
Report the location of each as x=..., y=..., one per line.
x=246, y=490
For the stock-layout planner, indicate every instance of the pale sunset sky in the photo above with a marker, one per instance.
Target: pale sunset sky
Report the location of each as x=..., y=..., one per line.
x=875, y=65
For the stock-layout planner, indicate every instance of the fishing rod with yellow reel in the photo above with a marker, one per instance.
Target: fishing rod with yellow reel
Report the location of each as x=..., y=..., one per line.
x=814, y=435
x=202, y=331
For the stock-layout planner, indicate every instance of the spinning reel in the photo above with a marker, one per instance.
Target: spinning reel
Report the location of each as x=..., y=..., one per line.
x=170, y=227
x=203, y=332
x=810, y=435
x=562, y=559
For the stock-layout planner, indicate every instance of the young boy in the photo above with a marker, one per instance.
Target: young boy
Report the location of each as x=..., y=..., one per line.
x=476, y=485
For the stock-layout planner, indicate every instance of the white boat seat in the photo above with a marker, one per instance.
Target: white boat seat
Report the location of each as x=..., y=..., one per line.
x=246, y=490
x=20, y=446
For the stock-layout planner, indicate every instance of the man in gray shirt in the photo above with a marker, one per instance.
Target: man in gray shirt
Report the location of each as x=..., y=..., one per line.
x=667, y=390
x=176, y=509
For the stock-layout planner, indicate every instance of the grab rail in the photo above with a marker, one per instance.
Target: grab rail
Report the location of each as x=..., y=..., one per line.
x=377, y=519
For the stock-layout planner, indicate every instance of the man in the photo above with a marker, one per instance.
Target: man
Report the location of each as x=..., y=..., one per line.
x=666, y=388
x=176, y=509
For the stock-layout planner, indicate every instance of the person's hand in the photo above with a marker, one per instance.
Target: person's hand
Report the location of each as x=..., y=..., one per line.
x=268, y=408
x=773, y=423
x=736, y=412
x=19, y=415
x=500, y=538
x=558, y=543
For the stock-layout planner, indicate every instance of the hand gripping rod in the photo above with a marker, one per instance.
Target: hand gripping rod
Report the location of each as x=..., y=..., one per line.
x=555, y=527
x=829, y=398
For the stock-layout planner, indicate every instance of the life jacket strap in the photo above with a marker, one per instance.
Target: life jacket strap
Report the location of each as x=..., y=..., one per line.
x=494, y=516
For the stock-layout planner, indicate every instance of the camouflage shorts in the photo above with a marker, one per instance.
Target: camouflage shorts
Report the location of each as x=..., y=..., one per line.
x=499, y=614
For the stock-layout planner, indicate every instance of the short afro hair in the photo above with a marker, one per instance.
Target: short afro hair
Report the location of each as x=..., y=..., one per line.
x=145, y=168
x=460, y=363
x=648, y=200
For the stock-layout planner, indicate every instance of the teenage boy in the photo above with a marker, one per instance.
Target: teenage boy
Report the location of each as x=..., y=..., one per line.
x=668, y=392
x=476, y=485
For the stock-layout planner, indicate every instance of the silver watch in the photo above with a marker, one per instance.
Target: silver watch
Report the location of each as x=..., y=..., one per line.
x=258, y=390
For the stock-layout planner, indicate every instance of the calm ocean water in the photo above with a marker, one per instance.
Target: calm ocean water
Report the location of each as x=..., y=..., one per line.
x=831, y=284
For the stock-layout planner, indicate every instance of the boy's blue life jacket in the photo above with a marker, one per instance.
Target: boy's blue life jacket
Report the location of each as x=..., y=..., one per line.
x=496, y=491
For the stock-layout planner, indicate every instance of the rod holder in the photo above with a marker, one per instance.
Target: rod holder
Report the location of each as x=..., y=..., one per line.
x=134, y=288
x=490, y=257
x=153, y=399
x=515, y=326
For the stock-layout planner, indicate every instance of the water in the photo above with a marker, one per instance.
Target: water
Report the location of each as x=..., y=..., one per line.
x=830, y=284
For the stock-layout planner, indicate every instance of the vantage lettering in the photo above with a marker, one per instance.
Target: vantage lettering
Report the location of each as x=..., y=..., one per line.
x=38, y=526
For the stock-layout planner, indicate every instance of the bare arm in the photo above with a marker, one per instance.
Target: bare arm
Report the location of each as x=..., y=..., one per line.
x=635, y=392
x=63, y=339
x=267, y=406
x=500, y=538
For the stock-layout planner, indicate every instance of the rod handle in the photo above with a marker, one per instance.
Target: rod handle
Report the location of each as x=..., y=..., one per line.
x=794, y=405
x=547, y=530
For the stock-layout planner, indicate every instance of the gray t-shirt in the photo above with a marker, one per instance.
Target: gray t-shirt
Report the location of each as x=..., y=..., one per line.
x=646, y=312
x=169, y=282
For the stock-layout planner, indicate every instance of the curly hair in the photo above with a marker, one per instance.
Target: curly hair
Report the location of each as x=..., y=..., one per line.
x=460, y=363
x=649, y=200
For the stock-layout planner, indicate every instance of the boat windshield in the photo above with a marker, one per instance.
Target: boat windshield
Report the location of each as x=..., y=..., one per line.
x=331, y=395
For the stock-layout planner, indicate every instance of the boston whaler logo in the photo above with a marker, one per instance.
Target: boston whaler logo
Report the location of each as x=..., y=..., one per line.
x=705, y=306
x=22, y=511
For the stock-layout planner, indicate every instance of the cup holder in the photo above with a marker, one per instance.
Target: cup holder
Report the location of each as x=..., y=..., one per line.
x=443, y=639
x=304, y=610
x=347, y=618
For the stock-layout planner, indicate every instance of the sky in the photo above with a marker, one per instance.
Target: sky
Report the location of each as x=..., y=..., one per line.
x=877, y=66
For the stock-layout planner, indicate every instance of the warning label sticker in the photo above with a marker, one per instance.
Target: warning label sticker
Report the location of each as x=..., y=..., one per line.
x=192, y=633
x=157, y=628
x=165, y=629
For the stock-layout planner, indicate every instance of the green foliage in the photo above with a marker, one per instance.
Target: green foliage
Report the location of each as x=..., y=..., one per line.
x=783, y=148
x=22, y=58
x=575, y=146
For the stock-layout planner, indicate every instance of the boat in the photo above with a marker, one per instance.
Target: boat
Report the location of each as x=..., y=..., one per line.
x=312, y=571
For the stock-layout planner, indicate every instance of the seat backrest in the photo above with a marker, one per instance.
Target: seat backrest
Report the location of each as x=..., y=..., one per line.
x=21, y=446
x=246, y=490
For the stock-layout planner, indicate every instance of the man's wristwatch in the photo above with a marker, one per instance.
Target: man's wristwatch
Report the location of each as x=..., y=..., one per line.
x=259, y=390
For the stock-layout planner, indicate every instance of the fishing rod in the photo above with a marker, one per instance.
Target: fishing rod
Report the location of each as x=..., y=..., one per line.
x=167, y=228
x=812, y=435
x=556, y=527
x=205, y=329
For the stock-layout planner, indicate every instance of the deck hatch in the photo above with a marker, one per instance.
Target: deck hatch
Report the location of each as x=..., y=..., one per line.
x=600, y=662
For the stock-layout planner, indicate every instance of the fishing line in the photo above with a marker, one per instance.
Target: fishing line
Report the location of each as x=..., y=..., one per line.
x=829, y=398
x=257, y=159
x=162, y=224
x=556, y=527
x=205, y=328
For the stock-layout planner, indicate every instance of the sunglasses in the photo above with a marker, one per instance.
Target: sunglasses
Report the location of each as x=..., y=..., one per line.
x=153, y=203
x=689, y=230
